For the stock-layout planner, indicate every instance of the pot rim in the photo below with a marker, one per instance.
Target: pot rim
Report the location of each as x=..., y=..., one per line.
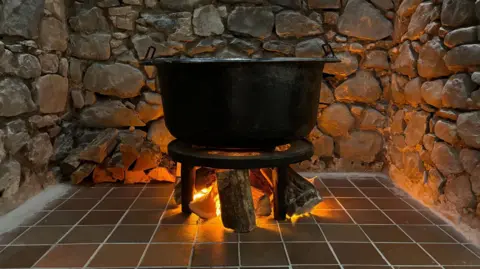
x=163, y=60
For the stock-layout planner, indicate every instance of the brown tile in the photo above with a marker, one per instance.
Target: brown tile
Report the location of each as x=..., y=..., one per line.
x=367, y=267
x=303, y=219
x=377, y=192
x=344, y=233
x=324, y=192
x=215, y=233
x=366, y=182
x=415, y=203
x=428, y=233
x=132, y=234
x=433, y=217
x=124, y=192
x=336, y=182
x=215, y=255
x=405, y=254
x=356, y=203
x=7, y=237
x=310, y=253
x=175, y=233
x=422, y=267
x=454, y=233
x=87, y=234
x=175, y=216
x=262, y=233
x=34, y=218
x=357, y=253
x=262, y=254
x=118, y=255
x=143, y=217
x=152, y=203
x=451, y=254
x=473, y=248
x=67, y=256
x=331, y=216
x=91, y=193
x=78, y=204
x=328, y=203
x=316, y=267
x=53, y=204
x=62, y=218
x=21, y=256
x=167, y=255
x=164, y=191
x=301, y=232
x=102, y=218
x=387, y=182
x=407, y=217
x=41, y=235
x=391, y=203
x=369, y=217
x=385, y=233
x=346, y=192
x=115, y=204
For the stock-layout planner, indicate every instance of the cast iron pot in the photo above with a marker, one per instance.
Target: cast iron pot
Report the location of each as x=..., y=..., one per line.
x=240, y=103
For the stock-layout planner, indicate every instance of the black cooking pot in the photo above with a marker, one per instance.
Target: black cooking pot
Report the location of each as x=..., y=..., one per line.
x=240, y=103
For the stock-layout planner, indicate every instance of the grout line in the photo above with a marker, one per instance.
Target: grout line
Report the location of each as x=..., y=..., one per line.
x=284, y=245
x=329, y=245
x=399, y=227
x=192, y=252
x=238, y=249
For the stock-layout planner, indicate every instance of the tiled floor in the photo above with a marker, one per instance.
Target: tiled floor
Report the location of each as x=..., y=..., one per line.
x=361, y=224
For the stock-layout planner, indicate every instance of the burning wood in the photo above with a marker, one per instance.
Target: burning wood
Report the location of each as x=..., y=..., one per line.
x=301, y=195
x=206, y=203
x=261, y=202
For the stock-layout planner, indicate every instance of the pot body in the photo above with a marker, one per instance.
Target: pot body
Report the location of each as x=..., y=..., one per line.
x=240, y=104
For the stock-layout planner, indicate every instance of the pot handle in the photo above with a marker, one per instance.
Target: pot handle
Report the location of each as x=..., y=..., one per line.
x=329, y=52
x=148, y=59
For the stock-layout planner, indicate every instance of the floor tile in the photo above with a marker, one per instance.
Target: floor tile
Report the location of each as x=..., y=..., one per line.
x=119, y=255
x=366, y=267
x=78, y=204
x=132, y=234
x=328, y=203
x=87, y=234
x=143, y=217
x=428, y=233
x=152, y=203
x=334, y=182
x=391, y=203
x=356, y=203
x=405, y=254
x=369, y=217
x=175, y=216
x=421, y=267
x=62, y=218
x=176, y=233
x=115, y=204
x=451, y=254
x=385, y=233
x=21, y=256
x=454, y=233
x=303, y=219
x=124, y=192
x=53, y=204
x=406, y=217
x=102, y=218
x=344, y=233
x=310, y=253
x=223, y=254
x=315, y=267
x=164, y=191
x=301, y=232
x=262, y=254
x=215, y=233
x=357, y=253
x=33, y=219
x=331, y=216
x=167, y=255
x=387, y=182
x=7, y=237
x=346, y=192
x=91, y=193
x=262, y=233
x=433, y=217
x=41, y=235
x=377, y=192
x=366, y=182
x=415, y=204
x=67, y=256
x=473, y=248
x=324, y=192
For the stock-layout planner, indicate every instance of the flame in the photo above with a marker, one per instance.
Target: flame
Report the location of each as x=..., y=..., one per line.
x=201, y=193
x=205, y=191
x=294, y=219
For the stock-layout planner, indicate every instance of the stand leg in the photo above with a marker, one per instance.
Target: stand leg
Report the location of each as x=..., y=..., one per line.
x=188, y=182
x=280, y=184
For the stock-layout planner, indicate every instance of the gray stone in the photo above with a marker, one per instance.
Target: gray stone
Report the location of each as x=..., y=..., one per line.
x=15, y=98
x=433, y=28
x=207, y=21
x=133, y=2
x=293, y=4
x=360, y=146
x=62, y=146
x=39, y=122
x=227, y=53
x=429, y=141
x=103, y=144
x=462, y=57
x=28, y=66
x=10, y=176
x=470, y=159
x=413, y=92
x=477, y=9
x=408, y=7
x=52, y=93
x=457, y=13
x=143, y=42
x=457, y=90
x=124, y=17
x=398, y=88
x=326, y=95
x=118, y=80
x=56, y=8
x=77, y=99
x=432, y=92
x=347, y=66
x=363, y=87
x=247, y=46
x=53, y=34
x=21, y=17
x=310, y=48
x=468, y=35
x=351, y=22
x=206, y=45
x=161, y=22
x=109, y=114
x=294, y=24
x=153, y=98
x=372, y=120
x=159, y=134
x=183, y=30
x=40, y=150
x=89, y=21
x=91, y=47
x=459, y=193
x=242, y=1
x=149, y=112
x=475, y=180
x=406, y=62
x=476, y=77
x=400, y=27
x=383, y=4
x=376, y=59
x=90, y=98
x=468, y=125
x=252, y=21
x=108, y=3
x=336, y=120
x=279, y=46
x=322, y=144
x=420, y=19
x=446, y=131
x=416, y=128
x=324, y=4
x=430, y=60
x=398, y=122
x=49, y=63
x=446, y=159
x=331, y=18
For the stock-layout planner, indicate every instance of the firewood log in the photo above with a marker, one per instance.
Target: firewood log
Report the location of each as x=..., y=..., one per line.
x=205, y=206
x=301, y=195
x=261, y=202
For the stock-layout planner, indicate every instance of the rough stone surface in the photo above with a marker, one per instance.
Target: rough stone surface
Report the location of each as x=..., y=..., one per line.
x=416, y=128
x=351, y=23
x=148, y=112
x=39, y=122
x=10, y=176
x=326, y=95
x=159, y=134
x=15, y=98
x=52, y=93
x=40, y=149
x=429, y=141
x=457, y=90
x=347, y=66
x=323, y=144
x=372, y=120
x=406, y=62
x=183, y=30
x=468, y=125
x=458, y=192
x=413, y=92
x=207, y=21
x=77, y=99
x=446, y=159
x=462, y=36
x=279, y=46
x=310, y=48
x=446, y=131
x=432, y=92
x=49, y=63
x=53, y=34
x=398, y=122
x=118, y=80
x=430, y=60
x=100, y=147
x=420, y=19
x=376, y=59
x=336, y=120
x=294, y=24
x=360, y=146
x=463, y=56
x=21, y=17
x=91, y=47
x=363, y=87
x=89, y=21
x=458, y=13
x=28, y=66
x=398, y=88
x=470, y=159
x=408, y=7
x=109, y=114
x=321, y=4
x=476, y=77
x=252, y=21
x=383, y=4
